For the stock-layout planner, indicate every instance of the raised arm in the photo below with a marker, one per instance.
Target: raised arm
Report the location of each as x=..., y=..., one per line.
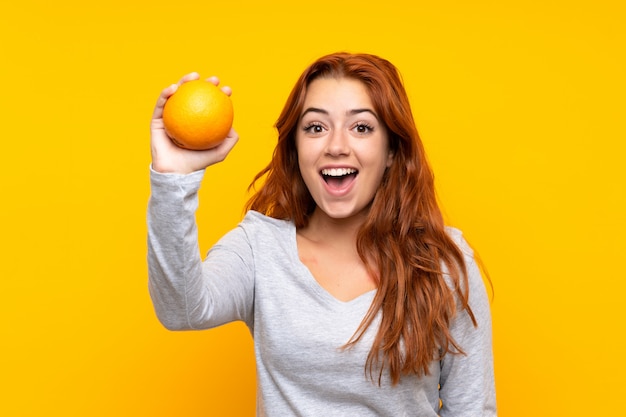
x=187, y=293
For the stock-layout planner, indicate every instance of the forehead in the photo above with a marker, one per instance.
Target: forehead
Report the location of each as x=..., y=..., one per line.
x=330, y=93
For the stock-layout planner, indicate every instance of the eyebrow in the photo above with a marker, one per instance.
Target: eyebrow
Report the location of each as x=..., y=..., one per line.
x=350, y=112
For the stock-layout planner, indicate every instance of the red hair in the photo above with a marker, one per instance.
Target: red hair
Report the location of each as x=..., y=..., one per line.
x=403, y=241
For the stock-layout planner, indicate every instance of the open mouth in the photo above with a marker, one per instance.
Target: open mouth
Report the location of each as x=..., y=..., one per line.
x=339, y=177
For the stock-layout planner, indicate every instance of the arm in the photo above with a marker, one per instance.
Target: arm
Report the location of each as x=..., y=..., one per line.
x=467, y=381
x=186, y=294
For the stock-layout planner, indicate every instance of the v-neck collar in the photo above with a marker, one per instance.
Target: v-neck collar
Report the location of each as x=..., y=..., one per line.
x=305, y=272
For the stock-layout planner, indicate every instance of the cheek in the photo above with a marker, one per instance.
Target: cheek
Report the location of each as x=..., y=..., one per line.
x=307, y=154
x=300, y=156
x=301, y=151
x=305, y=165
x=302, y=162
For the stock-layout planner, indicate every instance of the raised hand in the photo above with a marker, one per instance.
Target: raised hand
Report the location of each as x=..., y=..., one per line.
x=167, y=157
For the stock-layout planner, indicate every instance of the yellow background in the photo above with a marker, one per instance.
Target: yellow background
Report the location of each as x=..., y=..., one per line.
x=520, y=104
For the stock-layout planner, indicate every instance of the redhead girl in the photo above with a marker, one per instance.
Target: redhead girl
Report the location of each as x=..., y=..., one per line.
x=361, y=302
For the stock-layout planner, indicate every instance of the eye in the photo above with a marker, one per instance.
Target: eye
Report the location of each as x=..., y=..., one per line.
x=363, y=128
x=314, y=128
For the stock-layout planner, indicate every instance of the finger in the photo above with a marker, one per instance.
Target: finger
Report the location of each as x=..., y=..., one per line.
x=227, y=144
x=189, y=77
x=223, y=149
x=227, y=90
x=165, y=94
x=168, y=91
x=215, y=80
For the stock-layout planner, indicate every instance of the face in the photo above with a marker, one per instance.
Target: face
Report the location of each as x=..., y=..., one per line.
x=343, y=149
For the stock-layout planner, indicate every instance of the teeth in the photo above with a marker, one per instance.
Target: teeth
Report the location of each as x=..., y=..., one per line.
x=338, y=172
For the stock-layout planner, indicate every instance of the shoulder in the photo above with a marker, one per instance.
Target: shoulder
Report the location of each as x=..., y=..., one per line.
x=477, y=288
x=256, y=232
x=255, y=221
x=457, y=237
x=259, y=229
x=261, y=241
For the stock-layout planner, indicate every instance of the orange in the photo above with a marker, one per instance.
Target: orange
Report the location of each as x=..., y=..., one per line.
x=198, y=115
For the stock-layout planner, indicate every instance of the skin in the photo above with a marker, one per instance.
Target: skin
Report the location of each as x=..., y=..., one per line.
x=339, y=129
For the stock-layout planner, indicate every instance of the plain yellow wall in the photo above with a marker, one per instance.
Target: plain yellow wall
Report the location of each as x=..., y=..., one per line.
x=521, y=107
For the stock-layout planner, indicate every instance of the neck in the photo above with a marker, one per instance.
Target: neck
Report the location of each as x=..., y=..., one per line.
x=322, y=228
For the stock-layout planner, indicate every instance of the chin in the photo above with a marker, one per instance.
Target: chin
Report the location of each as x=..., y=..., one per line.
x=345, y=213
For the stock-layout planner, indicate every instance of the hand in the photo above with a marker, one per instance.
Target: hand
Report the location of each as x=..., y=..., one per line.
x=169, y=158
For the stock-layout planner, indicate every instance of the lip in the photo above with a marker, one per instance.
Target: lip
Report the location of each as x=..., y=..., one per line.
x=330, y=166
x=344, y=189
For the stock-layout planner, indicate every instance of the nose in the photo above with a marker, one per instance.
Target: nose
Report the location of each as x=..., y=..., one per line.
x=337, y=143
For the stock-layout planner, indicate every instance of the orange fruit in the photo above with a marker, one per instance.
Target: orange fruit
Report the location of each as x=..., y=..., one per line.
x=198, y=115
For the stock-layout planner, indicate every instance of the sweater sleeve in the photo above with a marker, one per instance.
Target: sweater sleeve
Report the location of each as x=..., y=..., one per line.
x=188, y=293
x=467, y=385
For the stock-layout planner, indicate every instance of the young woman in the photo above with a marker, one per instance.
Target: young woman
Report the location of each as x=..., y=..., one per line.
x=360, y=301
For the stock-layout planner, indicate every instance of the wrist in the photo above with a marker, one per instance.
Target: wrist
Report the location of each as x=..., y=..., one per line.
x=174, y=173
x=171, y=167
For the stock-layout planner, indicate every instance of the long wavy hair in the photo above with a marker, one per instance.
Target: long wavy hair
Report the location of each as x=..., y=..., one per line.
x=420, y=272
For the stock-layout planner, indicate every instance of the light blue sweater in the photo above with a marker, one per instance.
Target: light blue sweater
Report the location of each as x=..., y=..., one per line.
x=254, y=274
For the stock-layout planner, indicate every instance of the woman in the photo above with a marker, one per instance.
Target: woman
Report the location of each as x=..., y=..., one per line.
x=360, y=301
